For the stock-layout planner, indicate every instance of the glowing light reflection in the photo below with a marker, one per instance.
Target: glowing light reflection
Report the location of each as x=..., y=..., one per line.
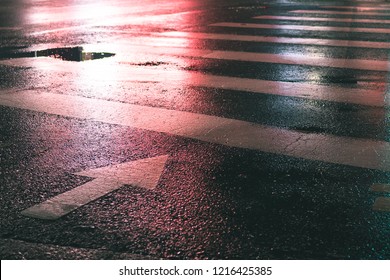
x=95, y=11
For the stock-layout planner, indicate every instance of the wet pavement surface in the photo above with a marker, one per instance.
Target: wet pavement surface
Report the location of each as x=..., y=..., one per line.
x=251, y=170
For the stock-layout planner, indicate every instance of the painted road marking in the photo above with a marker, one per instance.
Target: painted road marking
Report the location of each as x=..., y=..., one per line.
x=382, y=204
x=375, y=98
x=380, y=188
x=356, y=13
x=358, y=8
x=290, y=59
x=349, y=151
x=301, y=27
x=143, y=173
x=277, y=40
x=326, y=19
x=357, y=64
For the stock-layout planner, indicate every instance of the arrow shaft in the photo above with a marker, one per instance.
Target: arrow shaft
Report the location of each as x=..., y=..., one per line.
x=67, y=202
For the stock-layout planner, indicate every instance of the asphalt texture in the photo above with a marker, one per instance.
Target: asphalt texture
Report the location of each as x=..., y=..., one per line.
x=212, y=201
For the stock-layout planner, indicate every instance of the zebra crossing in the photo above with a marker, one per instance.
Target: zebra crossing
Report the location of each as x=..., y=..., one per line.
x=279, y=40
x=381, y=203
x=291, y=59
x=301, y=27
x=335, y=149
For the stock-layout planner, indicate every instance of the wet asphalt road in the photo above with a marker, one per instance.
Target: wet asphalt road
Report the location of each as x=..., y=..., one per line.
x=213, y=199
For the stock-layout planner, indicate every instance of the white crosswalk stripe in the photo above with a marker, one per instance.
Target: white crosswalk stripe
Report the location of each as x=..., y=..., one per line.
x=341, y=150
x=323, y=12
x=325, y=19
x=381, y=203
x=301, y=27
x=290, y=59
x=279, y=40
x=358, y=96
x=359, y=8
x=344, y=150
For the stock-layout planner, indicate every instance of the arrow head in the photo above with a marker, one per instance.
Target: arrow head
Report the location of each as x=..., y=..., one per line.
x=143, y=173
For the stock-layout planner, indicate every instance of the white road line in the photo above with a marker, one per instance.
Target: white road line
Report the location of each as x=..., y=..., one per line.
x=325, y=19
x=362, y=153
x=301, y=27
x=290, y=59
x=277, y=40
x=358, y=8
x=357, y=64
x=356, y=13
x=375, y=98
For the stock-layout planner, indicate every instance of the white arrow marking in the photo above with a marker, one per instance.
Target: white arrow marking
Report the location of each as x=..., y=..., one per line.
x=141, y=173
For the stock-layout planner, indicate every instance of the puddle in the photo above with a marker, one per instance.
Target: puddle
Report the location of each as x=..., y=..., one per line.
x=68, y=54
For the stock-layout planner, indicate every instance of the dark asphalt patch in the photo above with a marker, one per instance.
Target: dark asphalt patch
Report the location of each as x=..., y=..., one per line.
x=311, y=129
